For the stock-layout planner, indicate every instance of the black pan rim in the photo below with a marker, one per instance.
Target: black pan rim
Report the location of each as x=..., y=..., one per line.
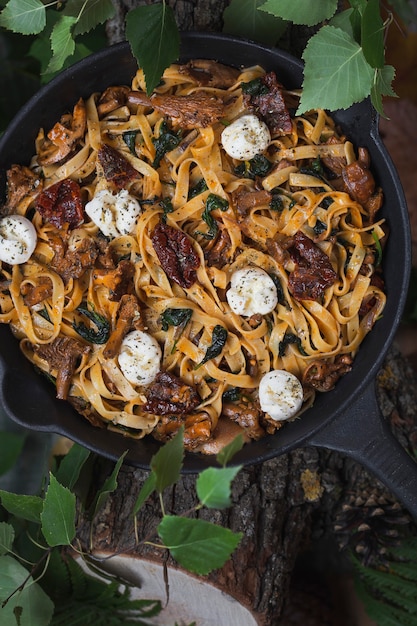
x=367, y=362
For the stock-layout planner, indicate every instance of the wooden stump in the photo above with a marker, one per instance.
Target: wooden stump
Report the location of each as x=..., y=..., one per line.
x=277, y=505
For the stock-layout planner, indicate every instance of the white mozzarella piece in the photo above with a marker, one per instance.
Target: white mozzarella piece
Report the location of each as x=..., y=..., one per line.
x=140, y=357
x=280, y=394
x=18, y=239
x=246, y=137
x=114, y=214
x=252, y=291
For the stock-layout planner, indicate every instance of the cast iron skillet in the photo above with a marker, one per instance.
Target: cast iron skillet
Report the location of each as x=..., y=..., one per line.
x=346, y=419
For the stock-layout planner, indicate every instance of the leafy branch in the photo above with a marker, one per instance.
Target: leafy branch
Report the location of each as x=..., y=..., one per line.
x=39, y=578
x=344, y=58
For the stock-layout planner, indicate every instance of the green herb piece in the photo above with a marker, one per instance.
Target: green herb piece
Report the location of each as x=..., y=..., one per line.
x=213, y=202
x=232, y=395
x=218, y=341
x=276, y=203
x=129, y=137
x=258, y=166
x=102, y=325
x=326, y=202
x=197, y=189
x=319, y=227
x=290, y=338
x=167, y=207
x=280, y=291
x=167, y=141
x=175, y=317
x=255, y=87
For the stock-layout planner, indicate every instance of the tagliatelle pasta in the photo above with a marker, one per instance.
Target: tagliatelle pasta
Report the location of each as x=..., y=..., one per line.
x=143, y=219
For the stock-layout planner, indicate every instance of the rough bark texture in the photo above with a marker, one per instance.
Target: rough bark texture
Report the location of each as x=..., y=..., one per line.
x=190, y=15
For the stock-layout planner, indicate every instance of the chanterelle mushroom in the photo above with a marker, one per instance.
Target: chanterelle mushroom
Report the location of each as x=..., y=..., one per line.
x=195, y=110
x=63, y=137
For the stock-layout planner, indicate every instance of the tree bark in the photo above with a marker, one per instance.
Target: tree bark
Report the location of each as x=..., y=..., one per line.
x=200, y=15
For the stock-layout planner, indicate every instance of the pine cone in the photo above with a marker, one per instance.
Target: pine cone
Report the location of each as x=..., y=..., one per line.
x=369, y=524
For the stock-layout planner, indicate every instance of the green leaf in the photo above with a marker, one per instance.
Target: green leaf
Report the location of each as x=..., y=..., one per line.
x=242, y=18
x=25, y=507
x=197, y=545
x=382, y=86
x=218, y=341
x=110, y=485
x=372, y=38
x=336, y=74
x=154, y=38
x=71, y=465
x=31, y=606
x=62, y=43
x=11, y=445
x=167, y=462
x=214, y=486
x=405, y=9
x=27, y=17
x=148, y=487
x=6, y=538
x=343, y=20
x=58, y=515
x=227, y=453
x=301, y=11
x=88, y=14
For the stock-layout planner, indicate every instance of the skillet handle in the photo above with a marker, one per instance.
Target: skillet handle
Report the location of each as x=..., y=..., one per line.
x=363, y=434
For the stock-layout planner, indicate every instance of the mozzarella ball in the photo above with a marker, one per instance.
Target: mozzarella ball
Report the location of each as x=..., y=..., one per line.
x=18, y=239
x=252, y=291
x=280, y=394
x=140, y=357
x=114, y=214
x=246, y=137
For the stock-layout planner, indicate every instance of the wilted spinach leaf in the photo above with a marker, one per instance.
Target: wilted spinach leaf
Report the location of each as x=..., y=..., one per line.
x=175, y=317
x=129, y=137
x=255, y=87
x=197, y=189
x=218, y=340
x=258, y=166
x=167, y=140
x=213, y=202
x=290, y=338
x=99, y=335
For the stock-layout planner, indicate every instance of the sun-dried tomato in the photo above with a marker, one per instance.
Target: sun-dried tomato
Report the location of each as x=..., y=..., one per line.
x=313, y=272
x=168, y=394
x=176, y=254
x=61, y=204
x=116, y=167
